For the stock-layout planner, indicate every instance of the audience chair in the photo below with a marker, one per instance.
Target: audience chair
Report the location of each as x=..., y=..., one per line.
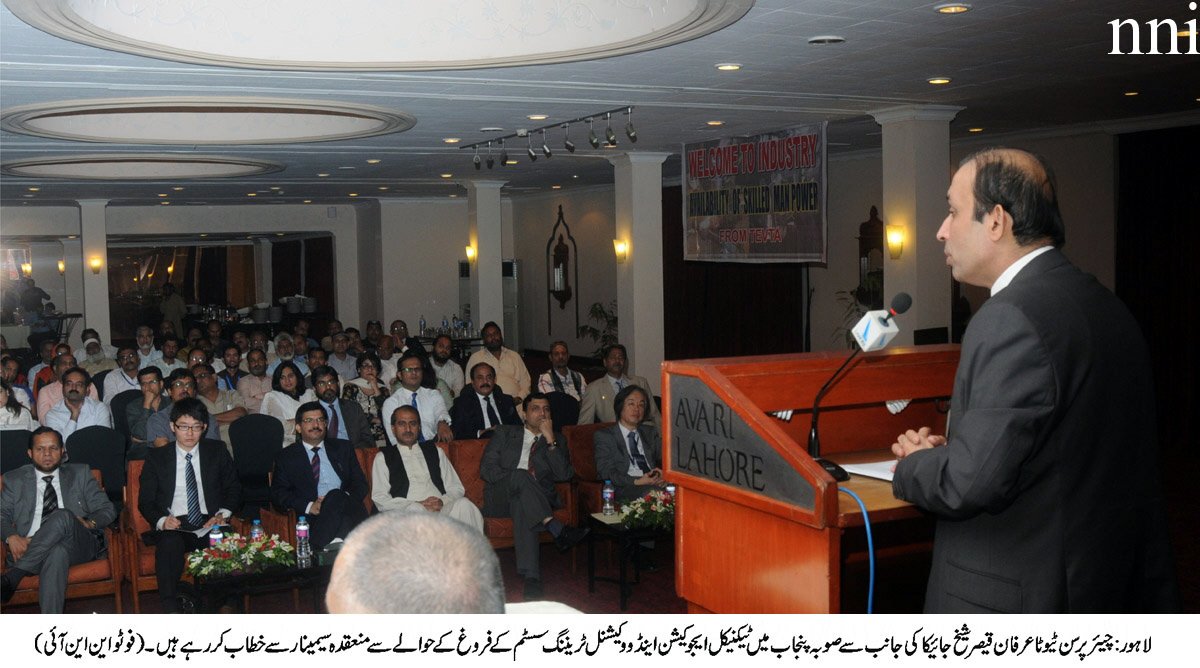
x=256, y=439
x=98, y=383
x=580, y=439
x=93, y=578
x=14, y=449
x=465, y=457
x=139, y=557
x=120, y=421
x=102, y=448
x=564, y=409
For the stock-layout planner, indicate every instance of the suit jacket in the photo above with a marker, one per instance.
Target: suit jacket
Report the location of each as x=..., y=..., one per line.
x=612, y=453
x=1047, y=493
x=466, y=415
x=292, y=484
x=597, y=402
x=80, y=495
x=500, y=459
x=358, y=425
x=218, y=479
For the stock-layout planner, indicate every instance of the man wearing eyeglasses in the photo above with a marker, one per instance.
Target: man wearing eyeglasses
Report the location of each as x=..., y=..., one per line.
x=320, y=478
x=186, y=488
x=435, y=418
x=181, y=384
x=346, y=420
x=125, y=376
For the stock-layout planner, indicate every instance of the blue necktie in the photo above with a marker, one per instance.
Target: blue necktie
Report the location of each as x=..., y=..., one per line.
x=193, y=493
x=638, y=458
x=421, y=431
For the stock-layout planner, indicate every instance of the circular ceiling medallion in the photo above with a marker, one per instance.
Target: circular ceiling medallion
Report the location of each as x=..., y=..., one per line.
x=392, y=35
x=203, y=120
x=139, y=166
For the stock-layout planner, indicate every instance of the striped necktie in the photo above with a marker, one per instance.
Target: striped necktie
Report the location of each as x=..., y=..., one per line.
x=635, y=454
x=316, y=465
x=49, y=498
x=193, y=493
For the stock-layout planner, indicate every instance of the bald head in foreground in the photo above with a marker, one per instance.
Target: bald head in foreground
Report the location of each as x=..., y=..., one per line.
x=405, y=563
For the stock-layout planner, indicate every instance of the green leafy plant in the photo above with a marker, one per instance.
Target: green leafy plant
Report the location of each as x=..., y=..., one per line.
x=235, y=554
x=655, y=510
x=606, y=334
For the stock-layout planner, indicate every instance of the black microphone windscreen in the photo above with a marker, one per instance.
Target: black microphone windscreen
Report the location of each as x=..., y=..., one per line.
x=901, y=303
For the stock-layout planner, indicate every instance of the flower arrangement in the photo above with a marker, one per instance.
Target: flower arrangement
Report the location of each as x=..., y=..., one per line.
x=235, y=554
x=655, y=510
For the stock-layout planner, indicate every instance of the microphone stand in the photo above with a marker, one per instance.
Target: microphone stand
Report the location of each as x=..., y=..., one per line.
x=814, y=441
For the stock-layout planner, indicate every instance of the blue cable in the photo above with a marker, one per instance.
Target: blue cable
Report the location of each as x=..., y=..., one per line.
x=870, y=548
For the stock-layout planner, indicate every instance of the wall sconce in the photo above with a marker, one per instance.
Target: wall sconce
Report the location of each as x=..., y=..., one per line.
x=621, y=248
x=62, y=267
x=170, y=271
x=471, y=254
x=26, y=269
x=895, y=241
x=95, y=264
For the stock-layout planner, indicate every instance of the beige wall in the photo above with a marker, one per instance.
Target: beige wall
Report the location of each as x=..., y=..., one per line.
x=421, y=242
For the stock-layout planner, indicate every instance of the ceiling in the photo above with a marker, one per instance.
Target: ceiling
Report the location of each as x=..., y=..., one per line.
x=1014, y=65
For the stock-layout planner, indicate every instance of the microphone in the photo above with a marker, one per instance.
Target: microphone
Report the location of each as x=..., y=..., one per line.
x=872, y=332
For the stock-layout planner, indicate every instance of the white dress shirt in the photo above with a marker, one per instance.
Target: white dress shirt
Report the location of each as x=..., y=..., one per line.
x=117, y=382
x=430, y=405
x=92, y=413
x=452, y=373
x=1013, y=269
x=179, y=505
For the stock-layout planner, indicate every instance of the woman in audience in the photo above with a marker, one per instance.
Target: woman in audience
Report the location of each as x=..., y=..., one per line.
x=369, y=393
x=12, y=414
x=286, y=395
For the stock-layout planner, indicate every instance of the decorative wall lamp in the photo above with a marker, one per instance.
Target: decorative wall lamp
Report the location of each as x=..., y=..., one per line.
x=26, y=269
x=62, y=267
x=96, y=263
x=895, y=241
x=621, y=248
x=471, y=254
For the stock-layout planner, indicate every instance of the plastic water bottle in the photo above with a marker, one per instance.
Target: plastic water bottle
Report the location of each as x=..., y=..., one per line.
x=445, y=325
x=215, y=535
x=609, y=494
x=421, y=326
x=303, y=549
x=256, y=530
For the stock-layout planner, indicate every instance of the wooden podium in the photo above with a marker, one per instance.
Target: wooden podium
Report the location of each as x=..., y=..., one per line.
x=760, y=527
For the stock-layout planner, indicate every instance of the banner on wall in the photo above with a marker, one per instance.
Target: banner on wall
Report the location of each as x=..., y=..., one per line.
x=756, y=199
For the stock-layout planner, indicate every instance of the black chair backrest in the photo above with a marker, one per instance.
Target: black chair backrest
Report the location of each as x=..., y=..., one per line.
x=564, y=409
x=98, y=383
x=101, y=448
x=118, y=404
x=256, y=439
x=14, y=449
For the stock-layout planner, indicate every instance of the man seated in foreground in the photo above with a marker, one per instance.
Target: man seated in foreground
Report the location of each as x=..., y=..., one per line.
x=406, y=563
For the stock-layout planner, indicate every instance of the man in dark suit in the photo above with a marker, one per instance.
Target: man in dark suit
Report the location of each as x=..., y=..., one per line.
x=629, y=453
x=480, y=408
x=52, y=516
x=1046, y=486
x=187, y=486
x=320, y=477
x=347, y=421
x=520, y=466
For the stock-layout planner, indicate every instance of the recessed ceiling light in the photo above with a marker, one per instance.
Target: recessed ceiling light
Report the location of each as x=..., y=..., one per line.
x=177, y=188
x=204, y=234
x=537, y=117
x=373, y=161
x=952, y=8
x=34, y=189
x=510, y=162
x=939, y=81
x=323, y=174
x=165, y=202
x=162, y=194
x=556, y=187
x=491, y=129
x=383, y=187
x=974, y=129
x=279, y=234
x=251, y=194
x=274, y=187
x=1131, y=93
x=716, y=123
x=26, y=195
x=729, y=67
x=308, y=201
x=826, y=39
x=346, y=167
x=72, y=236
x=451, y=140
x=354, y=194
x=452, y=196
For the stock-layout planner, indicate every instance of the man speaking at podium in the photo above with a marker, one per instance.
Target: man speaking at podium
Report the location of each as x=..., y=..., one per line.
x=1046, y=486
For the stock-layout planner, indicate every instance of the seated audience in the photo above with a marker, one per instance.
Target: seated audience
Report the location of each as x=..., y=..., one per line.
x=629, y=453
x=181, y=384
x=560, y=378
x=435, y=419
x=125, y=377
x=77, y=410
x=597, y=402
x=369, y=393
x=12, y=414
x=225, y=406
x=511, y=372
x=286, y=396
x=479, y=409
x=255, y=386
x=347, y=421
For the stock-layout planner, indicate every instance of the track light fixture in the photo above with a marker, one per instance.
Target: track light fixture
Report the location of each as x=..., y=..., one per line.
x=567, y=143
x=608, y=139
x=592, y=138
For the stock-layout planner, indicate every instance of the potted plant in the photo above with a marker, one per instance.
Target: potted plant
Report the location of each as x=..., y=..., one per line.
x=606, y=334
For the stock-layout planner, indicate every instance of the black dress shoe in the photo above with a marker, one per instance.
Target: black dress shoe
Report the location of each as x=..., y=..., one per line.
x=533, y=589
x=7, y=589
x=570, y=537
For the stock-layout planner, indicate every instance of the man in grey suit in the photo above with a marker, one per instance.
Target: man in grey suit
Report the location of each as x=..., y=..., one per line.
x=597, y=402
x=1046, y=486
x=520, y=466
x=629, y=453
x=346, y=419
x=52, y=516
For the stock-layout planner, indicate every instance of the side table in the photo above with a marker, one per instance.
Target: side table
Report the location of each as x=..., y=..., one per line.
x=629, y=548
